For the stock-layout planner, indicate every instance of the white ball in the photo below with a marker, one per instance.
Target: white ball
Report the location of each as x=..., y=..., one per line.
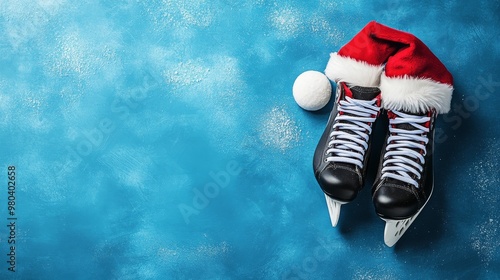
x=312, y=90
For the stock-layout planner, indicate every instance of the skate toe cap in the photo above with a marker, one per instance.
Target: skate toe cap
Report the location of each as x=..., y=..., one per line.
x=340, y=184
x=395, y=202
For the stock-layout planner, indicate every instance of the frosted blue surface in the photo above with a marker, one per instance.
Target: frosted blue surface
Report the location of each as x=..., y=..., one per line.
x=118, y=114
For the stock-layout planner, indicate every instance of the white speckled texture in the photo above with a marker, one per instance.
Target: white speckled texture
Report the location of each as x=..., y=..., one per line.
x=160, y=140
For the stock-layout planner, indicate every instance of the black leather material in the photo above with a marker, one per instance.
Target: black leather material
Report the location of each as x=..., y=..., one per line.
x=394, y=199
x=341, y=181
x=364, y=93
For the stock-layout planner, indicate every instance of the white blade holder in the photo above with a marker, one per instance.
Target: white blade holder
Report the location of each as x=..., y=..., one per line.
x=333, y=209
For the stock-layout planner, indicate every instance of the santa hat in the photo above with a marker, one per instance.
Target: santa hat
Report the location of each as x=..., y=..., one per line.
x=411, y=78
x=361, y=61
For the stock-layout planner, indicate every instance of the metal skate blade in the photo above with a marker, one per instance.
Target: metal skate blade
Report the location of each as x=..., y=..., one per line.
x=394, y=229
x=333, y=209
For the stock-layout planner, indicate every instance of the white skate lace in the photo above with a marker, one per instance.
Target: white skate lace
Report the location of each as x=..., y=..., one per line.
x=405, y=151
x=351, y=131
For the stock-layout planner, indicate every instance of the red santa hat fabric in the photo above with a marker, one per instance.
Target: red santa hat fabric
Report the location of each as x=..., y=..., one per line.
x=411, y=78
x=361, y=61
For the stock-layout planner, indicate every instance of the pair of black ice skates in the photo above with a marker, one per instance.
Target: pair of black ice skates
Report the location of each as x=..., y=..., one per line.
x=404, y=181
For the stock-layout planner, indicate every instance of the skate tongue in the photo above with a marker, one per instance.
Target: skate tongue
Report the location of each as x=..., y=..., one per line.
x=362, y=93
x=405, y=126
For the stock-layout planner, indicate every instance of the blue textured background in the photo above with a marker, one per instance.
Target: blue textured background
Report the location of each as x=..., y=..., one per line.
x=115, y=113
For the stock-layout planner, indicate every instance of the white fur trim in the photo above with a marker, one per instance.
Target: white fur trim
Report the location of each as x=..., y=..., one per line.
x=415, y=95
x=360, y=73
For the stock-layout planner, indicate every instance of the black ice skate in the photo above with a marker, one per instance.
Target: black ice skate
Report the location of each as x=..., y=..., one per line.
x=341, y=155
x=405, y=180
x=414, y=86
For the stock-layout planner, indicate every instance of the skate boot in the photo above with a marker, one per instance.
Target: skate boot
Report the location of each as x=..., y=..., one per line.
x=340, y=158
x=415, y=86
x=341, y=155
x=405, y=180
